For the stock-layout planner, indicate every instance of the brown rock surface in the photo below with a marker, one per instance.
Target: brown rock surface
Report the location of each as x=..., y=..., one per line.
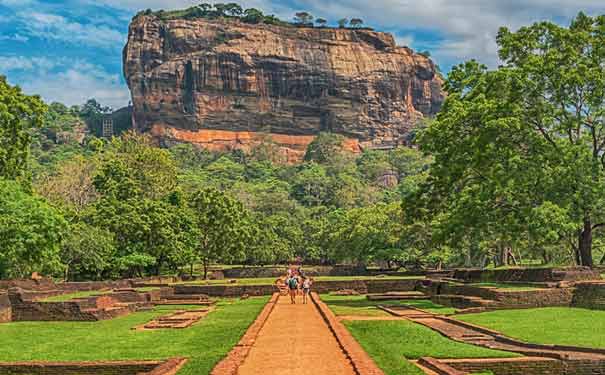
x=224, y=84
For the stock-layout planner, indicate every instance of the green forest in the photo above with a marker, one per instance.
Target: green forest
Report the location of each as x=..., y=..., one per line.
x=511, y=171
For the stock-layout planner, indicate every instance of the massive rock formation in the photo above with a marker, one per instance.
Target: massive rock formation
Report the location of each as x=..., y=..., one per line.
x=227, y=84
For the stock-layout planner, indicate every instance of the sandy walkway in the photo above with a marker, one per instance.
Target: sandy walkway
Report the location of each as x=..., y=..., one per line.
x=296, y=340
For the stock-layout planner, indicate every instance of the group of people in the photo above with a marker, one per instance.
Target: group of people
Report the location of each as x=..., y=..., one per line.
x=298, y=283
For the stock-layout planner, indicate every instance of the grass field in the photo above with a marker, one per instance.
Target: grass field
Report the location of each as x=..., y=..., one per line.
x=550, y=325
x=390, y=343
x=271, y=280
x=69, y=296
x=205, y=343
x=361, y=306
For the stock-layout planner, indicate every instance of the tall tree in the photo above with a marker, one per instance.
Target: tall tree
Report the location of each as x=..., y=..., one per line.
x=528, y=135
x=31, y=232
x=224, y=227
x=19, y=113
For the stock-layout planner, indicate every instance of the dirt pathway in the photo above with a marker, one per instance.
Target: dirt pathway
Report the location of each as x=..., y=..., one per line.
x=296, y=340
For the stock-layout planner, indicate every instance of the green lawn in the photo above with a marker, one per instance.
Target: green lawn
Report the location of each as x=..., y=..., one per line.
x=390, y=343
x=69, y=296
x=361, y=306
x=550, y=325
x=204, y=344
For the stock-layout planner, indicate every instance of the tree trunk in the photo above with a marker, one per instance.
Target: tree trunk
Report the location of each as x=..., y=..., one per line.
x=585, y=244
x=205, y=268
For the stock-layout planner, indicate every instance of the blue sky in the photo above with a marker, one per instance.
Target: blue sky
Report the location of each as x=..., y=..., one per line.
x=70, y=50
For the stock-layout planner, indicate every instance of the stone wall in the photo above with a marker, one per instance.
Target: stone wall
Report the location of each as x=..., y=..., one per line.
x=5, y=308
x=361, y=286
x=516, y=366
x=536, y=298
x=527, y=274
x=509, y=366
x=93, y=368
x=590, y=295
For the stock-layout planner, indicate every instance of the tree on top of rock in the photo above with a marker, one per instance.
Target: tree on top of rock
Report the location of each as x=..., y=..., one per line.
x=233, y=9
x=321, y=22
x=356, y=22
x=303, y=18
x=342, y=23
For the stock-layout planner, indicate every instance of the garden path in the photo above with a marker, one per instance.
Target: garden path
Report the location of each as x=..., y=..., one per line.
x=296, y=340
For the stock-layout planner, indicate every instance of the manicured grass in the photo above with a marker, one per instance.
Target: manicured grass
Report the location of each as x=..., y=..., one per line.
x=361, y=306
x=390, y=343
x=550, y=325
x=271, y=280
x=204, y=343
x=69, y=296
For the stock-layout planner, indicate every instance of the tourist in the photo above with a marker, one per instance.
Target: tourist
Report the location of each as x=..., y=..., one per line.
x=293, y=286
x=306, y=287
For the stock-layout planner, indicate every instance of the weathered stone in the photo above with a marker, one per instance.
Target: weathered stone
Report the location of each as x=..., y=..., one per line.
x=223, y=84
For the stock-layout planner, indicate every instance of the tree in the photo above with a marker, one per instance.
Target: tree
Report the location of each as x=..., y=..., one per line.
x=325, y=148
x=356, y=22
x=528, y=135
x=31, y=232
x=87, y=252
x=342, y=23
x=132, y=166
x=19, y=113
x=223, y=227
x=312, y=186
x=321, y=22
x=71, y=186
x=252, y=15
x=303, y=18
x=233, y=9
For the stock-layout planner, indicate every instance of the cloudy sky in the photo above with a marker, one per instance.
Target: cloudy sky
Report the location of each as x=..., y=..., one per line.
x=70, y=50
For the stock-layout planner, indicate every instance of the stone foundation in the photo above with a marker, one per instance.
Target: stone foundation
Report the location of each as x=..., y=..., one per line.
x=360, y=286
x=590, y=295
x=168, y=367
x=527, y=275
x=5, y=308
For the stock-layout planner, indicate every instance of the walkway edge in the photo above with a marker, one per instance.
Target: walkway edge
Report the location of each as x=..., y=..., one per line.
x=231, y=363
x=362, y=363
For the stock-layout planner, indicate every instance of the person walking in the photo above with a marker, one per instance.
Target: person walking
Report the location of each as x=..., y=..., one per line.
x=293, y=287
x=306, y=288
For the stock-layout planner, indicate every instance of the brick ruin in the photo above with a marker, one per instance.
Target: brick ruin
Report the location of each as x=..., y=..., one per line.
x=167, y=367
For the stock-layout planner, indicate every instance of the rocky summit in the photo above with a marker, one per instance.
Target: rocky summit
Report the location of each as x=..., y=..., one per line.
x=224, y=84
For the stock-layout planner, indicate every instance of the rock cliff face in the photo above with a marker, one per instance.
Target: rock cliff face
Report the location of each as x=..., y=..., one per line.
x=226, y=84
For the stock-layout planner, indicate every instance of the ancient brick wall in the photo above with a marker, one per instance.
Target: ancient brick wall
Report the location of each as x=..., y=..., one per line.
x=527, y=274
x=361, y=286
x=78, y=368
x=590, y=295
x=536, y=298
x=5, y=307
x=510, y=366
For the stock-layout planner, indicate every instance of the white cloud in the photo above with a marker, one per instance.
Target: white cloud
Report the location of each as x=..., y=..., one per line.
x=22, y=63
x=404, y=40
x=54, y=27
x=66, y=81
x=468, y=27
